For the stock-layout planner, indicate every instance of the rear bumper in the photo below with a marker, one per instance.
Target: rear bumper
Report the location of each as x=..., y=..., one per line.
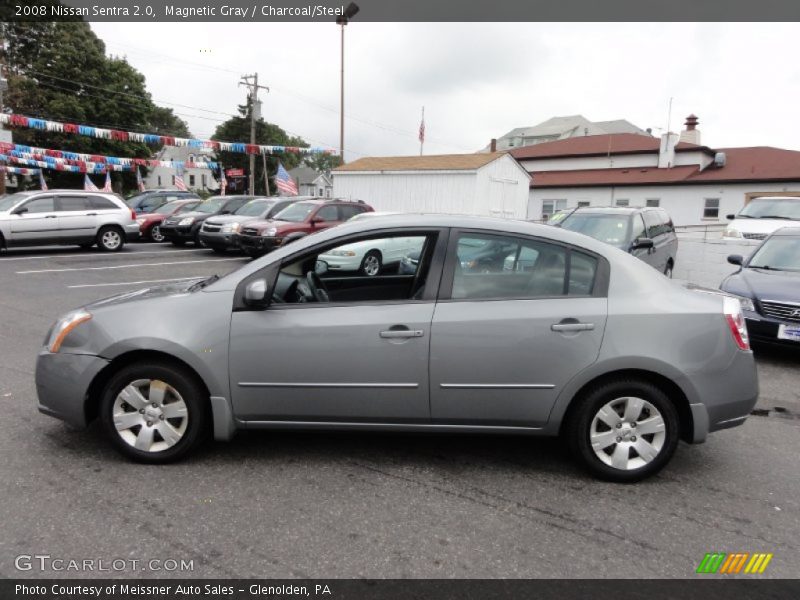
x=62, y=384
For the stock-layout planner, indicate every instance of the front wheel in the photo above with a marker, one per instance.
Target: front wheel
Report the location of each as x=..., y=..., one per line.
x=110, y=239
x=668, y=271
x=154, y=412
x=371, y=264
x=155, y=234
x=624, y=431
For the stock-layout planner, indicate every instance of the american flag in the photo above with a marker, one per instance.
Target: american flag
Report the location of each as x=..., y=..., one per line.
x=107, y=185
x=139, y=180
x=284, y=182
x=42, y=182
x=179, y=180
x=88, y=185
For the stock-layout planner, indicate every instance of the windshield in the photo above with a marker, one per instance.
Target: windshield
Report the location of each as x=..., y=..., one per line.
x=772, y=208
x=781, y=253
x=254, y=208
x=167, y=208
x=296, y=213
x=211, y=205
x=7, y=202
x=611, y=229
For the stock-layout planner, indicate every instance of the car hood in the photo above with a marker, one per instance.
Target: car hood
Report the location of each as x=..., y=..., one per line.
x=783, y=286
x=223, y=219
x=760, y=225
x=158, y=291
x=260, y=224
x=198, y=216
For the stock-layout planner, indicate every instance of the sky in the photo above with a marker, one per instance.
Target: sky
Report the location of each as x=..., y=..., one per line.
x=476, y=80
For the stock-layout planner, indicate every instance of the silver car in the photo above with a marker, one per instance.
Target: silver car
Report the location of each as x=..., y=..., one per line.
x=580, y=340
x=66, y=217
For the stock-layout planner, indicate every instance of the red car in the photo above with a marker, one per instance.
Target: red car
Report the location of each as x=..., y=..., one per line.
x=149, y=224
x=295, y=221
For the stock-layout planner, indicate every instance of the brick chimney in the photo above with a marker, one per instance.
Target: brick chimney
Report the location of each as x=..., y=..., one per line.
x=493, y=145
x=691, y=135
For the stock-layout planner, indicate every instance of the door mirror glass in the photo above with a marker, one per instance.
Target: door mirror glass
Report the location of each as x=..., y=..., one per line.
x=321, y=267
x=642, y=243
x=255, y=293
x=735, y=259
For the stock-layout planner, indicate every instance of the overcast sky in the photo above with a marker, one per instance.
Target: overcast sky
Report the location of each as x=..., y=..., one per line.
x=476, y=81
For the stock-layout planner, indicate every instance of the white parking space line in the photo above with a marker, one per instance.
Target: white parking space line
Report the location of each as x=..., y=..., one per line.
x=159, y=264
x=104, y=255
x=89, y=285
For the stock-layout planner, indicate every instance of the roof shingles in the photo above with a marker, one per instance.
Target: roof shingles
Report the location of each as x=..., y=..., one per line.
x=433, y=162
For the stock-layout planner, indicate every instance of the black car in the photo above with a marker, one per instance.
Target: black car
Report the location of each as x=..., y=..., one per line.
x=185, y=227
x=768, y=287
x=646, y=233
x=149, y=201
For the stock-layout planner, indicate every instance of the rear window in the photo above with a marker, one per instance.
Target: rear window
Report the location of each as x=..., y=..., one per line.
x=608, y=228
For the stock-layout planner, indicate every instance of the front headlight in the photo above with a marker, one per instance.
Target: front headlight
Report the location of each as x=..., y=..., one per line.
x=270, y=232
x=64, y=326
x=732, y=233
x=226, y=228
x=186, y=221
x=744, y=301
x=342, y=253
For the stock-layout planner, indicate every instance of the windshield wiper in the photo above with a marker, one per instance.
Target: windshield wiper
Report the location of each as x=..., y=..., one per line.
x=775, y=217
x=745, y=217
x=765, y=267
x=203, y=283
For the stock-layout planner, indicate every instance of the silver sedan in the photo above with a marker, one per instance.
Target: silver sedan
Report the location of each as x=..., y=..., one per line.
x=552, y=333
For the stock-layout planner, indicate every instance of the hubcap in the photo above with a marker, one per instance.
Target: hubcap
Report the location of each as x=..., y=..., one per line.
x=150, y=415
x=627, y=433
x=156, y=234
x=111, y=239
x=372, y=265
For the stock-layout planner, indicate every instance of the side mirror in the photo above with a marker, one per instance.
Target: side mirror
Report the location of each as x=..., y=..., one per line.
x=736, y=259
x=20, y=211
x=641, y=243
x=730, y=217
x=255, y=294
x=320, y=267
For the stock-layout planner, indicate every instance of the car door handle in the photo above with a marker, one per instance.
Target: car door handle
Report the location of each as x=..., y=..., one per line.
x=90, y=215
x=402, y=333
x=49, y=216
x=572, y=326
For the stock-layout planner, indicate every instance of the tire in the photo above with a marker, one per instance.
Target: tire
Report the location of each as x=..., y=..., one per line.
x=166, y=439
x=371, y=264
x=219, y=250
x=155, y=235
x=86, y=246
x=110, y=239
x=598, y=415
x=668, y=270
x=197, y=241
x=178, y=242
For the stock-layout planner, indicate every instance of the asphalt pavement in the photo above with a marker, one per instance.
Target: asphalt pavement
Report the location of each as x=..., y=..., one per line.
x=287, y=504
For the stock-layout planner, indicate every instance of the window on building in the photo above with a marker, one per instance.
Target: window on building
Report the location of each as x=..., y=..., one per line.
x=203, y=179
x=159, y=181
x=320, y=192
x=583, y=203
x=191, y=180
x=551, y=206
x=173, y=180
x=711, y=208
x=328, y=193
x=653, y=202
x=622, y=202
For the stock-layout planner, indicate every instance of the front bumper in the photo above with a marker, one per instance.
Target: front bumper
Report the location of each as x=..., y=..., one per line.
x=174, y=232
x=765, y=330
x=62, y=384
x=256, y=244
x=217, y=239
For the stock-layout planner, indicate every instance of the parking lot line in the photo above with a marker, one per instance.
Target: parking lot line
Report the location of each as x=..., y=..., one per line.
x=104, y=255
x=159, y=264
x=88, y=285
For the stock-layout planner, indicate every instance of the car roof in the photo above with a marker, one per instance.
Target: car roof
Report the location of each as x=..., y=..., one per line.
x=611, y=210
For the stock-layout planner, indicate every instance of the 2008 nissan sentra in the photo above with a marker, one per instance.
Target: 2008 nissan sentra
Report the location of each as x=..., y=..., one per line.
x=564, y=336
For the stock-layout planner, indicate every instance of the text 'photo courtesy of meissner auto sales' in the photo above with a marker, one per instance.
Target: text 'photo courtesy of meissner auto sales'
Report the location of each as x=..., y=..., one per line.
x=371, y=299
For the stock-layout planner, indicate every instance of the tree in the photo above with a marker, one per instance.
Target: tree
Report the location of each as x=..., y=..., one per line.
x=323, y=163
x=60, y=71
x=237, y=129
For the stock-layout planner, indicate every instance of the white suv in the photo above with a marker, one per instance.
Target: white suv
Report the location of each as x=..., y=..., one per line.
x=66, y=217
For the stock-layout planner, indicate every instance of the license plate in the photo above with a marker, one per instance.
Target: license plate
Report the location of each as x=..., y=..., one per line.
x=789, y=332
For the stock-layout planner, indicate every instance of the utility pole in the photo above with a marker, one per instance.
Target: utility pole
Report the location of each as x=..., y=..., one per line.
x=3, y=88
x=253, y=88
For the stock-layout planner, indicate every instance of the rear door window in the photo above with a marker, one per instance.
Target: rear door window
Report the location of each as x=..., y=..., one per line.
x=327, y=213
x=73, y=203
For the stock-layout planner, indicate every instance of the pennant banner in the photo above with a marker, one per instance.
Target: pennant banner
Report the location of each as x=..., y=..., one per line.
x=149, y=138
x=19, y=171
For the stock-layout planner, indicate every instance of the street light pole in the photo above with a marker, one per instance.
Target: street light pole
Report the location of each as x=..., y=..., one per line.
x=342, y=20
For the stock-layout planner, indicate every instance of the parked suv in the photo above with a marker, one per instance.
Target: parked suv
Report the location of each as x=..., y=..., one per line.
x=66, y=217
x=647, y=233
x=296, y=221
x=217, y=232
x=761, y=216
x=185, y=227
x=149, y=201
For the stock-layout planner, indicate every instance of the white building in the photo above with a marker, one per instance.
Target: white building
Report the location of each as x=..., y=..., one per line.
x=474, y=184
x=196, y=179
x=561, y=128
x=311, y=182
x=694, y=183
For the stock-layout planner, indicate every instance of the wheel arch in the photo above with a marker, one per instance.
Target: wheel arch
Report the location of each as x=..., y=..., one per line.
x=674, y=392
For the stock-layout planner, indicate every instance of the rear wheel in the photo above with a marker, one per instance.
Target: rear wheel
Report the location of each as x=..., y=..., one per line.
x=154, y=412
x=155, y=234
x=624, y=431
x=668, y=270
x=110, y=239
